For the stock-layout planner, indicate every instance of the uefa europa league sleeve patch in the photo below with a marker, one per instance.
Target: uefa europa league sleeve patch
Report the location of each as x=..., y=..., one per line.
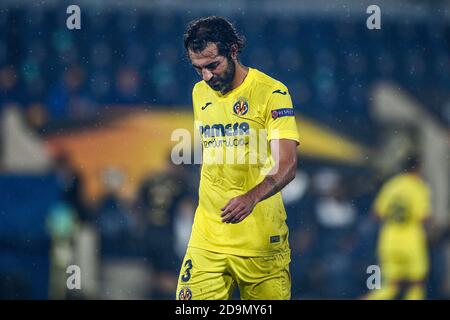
x=286, y=112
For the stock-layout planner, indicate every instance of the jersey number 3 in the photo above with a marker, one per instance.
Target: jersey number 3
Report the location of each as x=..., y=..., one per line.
x=187, y=272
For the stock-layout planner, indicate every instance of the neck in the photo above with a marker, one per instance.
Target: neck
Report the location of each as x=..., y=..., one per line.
x=239, y=76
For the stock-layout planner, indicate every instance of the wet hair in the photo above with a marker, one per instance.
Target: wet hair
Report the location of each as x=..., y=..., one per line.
x=212, y=29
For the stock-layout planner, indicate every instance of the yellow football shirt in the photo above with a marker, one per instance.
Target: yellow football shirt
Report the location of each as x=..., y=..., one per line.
x=402, y=204
x=235, y=131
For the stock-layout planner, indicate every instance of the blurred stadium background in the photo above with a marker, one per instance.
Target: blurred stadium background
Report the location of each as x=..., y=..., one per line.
x=87, y=115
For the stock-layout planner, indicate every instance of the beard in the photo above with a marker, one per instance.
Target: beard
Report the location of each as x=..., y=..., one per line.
x=223, y=82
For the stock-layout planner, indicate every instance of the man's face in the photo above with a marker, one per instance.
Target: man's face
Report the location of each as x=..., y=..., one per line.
x=218, y=71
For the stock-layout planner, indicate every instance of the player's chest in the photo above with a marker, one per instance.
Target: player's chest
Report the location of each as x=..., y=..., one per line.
x=230, y=111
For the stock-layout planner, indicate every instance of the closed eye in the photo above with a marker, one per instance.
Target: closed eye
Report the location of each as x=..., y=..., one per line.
x=211, y=67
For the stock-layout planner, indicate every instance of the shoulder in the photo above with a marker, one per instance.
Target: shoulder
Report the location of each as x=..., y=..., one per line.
x=419, y=183
x=270, y=84
x=391, y=184
x=407, y=182
x=199, y=92
x=396, y=180
x=199, y=88
x=410, y=179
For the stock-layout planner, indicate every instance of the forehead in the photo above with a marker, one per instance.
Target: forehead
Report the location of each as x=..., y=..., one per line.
x=208, y=55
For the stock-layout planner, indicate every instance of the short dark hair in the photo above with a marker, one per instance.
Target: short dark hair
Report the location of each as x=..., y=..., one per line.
x=212, y=29
x=412, y=163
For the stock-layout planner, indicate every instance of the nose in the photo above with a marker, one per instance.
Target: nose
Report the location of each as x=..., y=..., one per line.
x=206, y=74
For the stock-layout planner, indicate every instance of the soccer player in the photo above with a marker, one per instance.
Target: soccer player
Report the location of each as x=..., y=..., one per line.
x=239, y=236
x=403, y=205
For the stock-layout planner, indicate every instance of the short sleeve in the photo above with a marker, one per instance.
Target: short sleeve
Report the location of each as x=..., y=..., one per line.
x=280, y=118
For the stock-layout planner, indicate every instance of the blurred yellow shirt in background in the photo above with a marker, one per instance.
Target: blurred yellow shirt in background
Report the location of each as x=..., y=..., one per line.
x=402, y=204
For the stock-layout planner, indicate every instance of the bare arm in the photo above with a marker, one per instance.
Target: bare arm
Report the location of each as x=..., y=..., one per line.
x=284, y=153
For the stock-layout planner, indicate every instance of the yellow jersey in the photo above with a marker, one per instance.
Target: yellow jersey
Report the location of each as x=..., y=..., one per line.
x=235, y=130
x=402, y=204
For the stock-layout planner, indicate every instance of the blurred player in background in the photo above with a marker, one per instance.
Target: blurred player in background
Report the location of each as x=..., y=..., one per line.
x=239, y=234
x=403, y=205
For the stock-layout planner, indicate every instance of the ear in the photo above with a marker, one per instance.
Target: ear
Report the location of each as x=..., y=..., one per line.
x=233, y=51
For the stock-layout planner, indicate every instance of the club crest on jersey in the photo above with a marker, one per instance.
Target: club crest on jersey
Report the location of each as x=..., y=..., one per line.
x=185, y=294
x=241, y=107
